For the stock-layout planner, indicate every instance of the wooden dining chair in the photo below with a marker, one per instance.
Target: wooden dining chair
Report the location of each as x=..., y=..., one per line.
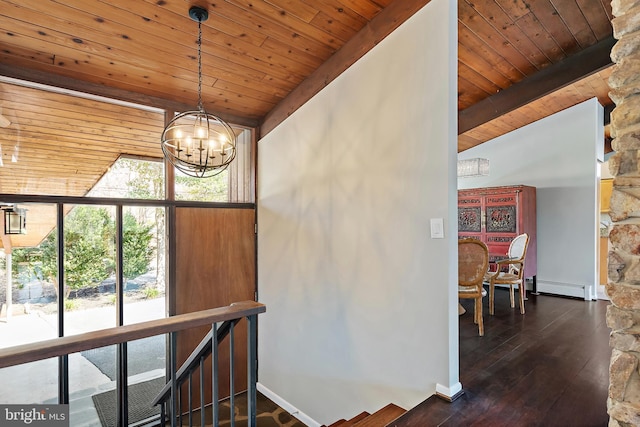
x=510, y=271
x=473, y=261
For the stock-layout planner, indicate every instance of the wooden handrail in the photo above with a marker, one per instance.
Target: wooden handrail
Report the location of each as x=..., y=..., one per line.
x=40, y=350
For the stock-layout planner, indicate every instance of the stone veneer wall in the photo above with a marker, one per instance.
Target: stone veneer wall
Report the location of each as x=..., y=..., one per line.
x=623, y=315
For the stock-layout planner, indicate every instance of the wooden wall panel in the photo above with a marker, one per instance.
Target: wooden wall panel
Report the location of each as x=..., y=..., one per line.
x=215, y=267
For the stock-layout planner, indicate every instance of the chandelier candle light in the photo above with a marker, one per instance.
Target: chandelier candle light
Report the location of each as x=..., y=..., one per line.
x=197, y=143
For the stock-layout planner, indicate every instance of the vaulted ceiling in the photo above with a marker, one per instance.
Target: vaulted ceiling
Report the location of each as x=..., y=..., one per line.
x=518, y=61
x=521, y=61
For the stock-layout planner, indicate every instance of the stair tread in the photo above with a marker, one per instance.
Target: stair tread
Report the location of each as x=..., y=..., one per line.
x=361, y=416
x=351, y=421
x=381, y=417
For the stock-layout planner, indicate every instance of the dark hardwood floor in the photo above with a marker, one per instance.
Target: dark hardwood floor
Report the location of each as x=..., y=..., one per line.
x=549, y=367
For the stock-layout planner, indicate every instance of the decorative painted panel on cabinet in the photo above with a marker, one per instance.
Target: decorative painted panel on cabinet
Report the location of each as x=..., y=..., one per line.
x=496, y=215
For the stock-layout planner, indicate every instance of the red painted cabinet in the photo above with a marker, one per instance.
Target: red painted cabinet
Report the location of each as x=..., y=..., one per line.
x=496, y=215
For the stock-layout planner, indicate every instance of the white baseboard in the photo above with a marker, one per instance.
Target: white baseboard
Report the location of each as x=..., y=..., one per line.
x=301, y=416
x=449, y=393
x=562, y=288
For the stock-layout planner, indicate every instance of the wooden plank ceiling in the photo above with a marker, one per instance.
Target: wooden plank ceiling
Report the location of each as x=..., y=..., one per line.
x=512, y=53
x=518, y=61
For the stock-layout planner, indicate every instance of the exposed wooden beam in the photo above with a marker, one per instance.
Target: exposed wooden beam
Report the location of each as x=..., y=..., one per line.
x=40, y=77
x=372, y=34
x=550, y=79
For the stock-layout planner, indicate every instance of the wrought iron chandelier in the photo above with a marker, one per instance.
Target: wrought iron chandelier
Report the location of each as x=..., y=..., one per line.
x=197, y=143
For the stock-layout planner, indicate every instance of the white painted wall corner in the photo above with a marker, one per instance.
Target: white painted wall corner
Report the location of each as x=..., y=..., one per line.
x=449, y=393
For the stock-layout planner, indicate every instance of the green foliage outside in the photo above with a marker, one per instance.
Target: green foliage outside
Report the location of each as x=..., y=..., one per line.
x=70, y=305
x=214, y=189
x=89, y=249
x=151, y=293
x=89, y=242
x=88, y=255
x=137, y=251
x=145, y=179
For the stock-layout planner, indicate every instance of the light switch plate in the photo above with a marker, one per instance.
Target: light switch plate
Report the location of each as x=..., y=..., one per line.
x=437, y=228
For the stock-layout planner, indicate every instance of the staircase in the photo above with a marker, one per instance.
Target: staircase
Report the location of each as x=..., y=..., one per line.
x=378, y=419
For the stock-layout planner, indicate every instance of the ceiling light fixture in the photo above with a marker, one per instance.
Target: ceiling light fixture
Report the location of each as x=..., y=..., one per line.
x=197, y=143
x=469, y=168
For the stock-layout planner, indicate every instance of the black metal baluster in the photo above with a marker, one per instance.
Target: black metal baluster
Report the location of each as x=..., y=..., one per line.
x=232, y=375
x=252, y=371
x=122, y=401
x=172, y=365
x=214, y=374
x=202, y=412
x=179, y=405
x=191, y=398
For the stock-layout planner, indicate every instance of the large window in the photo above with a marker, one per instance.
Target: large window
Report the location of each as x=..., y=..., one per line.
x=67, y=144
x=233, y=185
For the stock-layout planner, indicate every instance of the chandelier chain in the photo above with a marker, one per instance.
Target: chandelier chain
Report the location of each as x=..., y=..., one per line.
x=196, y=143
x=200, y=107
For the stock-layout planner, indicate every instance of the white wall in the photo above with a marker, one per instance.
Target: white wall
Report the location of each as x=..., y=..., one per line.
x=558, y=156
x=361, y=303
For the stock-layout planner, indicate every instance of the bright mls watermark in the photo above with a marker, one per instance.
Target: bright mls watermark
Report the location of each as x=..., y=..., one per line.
x=34, y=415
